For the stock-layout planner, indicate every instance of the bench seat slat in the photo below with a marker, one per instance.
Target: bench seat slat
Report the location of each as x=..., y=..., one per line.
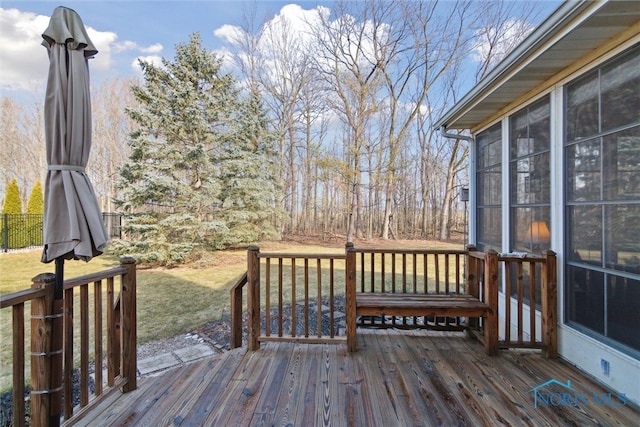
x=378, y=304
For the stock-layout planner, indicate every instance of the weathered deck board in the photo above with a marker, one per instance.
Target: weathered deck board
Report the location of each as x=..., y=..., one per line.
x=407, y=378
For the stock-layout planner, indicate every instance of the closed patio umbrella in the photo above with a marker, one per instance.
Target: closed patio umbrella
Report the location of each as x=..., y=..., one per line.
x=73, y=225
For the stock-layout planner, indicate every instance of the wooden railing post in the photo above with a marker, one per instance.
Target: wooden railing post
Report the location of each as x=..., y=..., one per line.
x=253, y=297
x=129, y=365
x=43, y=411
x=235, y=340
x=350, y=292
x=549, y=295
x=473, y=281
x=491, y=298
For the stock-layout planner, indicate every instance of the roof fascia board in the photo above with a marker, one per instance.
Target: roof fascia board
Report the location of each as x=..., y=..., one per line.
x=622, y=41
x=546, y=34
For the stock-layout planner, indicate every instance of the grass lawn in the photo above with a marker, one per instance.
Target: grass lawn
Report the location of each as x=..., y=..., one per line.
x=169, y=301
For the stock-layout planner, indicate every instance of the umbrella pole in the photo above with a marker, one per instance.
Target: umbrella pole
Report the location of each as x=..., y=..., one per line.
x=57, y=345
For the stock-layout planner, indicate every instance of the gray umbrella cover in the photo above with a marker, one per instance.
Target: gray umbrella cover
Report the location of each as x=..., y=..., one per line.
x=73, y=225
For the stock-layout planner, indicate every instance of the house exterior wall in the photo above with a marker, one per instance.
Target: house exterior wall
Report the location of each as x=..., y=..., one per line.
x=616, y=369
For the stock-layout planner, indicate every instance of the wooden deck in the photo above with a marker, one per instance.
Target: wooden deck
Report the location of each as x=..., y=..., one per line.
x=397, y=378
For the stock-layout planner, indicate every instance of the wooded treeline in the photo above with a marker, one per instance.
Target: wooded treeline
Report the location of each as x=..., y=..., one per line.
x=351, y=94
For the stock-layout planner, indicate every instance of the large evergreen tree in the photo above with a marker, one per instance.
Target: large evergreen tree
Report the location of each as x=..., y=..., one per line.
x=200, y=163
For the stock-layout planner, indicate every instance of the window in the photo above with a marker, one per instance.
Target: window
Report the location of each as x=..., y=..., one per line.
x=602, y=175
x=530, y=195
x=530, y=181
x=489, y=188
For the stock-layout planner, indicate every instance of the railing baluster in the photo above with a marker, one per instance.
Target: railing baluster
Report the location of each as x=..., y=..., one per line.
x=446, y=273
x=68, y=352
x=331, y=300
x=532, y=302
x=18, y=364
x=267, y=297
x=507, y=303
x=306, y=297
x=97, y=325
x=280, y=297
x=372, y=286
x=382, y=272
x=520, y=300
x=84, y=345
x=404, y=281
x=293, y=297
x=319, y=297
x=113, y=344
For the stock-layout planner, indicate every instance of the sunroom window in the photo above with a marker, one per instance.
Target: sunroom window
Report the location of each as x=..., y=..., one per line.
x=602, y=176
x=530, y=193
x=489, y=188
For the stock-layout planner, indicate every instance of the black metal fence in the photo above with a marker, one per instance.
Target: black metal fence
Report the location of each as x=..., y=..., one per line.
x=21, y=231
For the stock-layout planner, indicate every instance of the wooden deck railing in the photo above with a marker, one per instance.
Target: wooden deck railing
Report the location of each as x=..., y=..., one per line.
x=517, y=312
x=310, y=283
x=411, y=271
x=52, y=342
x=404, y=271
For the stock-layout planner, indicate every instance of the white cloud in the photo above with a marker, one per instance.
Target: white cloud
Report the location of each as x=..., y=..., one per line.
x=494, y=44
x=129, y=45
x=24, y=60
x=152, y=59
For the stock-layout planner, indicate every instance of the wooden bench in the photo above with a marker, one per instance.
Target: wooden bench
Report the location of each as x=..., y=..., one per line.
x=400, y=304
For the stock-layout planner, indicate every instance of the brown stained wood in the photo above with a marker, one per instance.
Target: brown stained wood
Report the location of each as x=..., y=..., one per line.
x=253, y=298
x=436, y=267
x=244, y=392
x=332, y=307
x=306, y=401
x=491, y=298
x=369, y=304
x=68, y=351
x=129, y=324
x=267, y=297
x=280, y=297
x=41, y=342
x=319, y=297
x=397, y=378
x=172, y=390
x=327, y=399
x=18, y=364
x=350, y=295
x=286, y=408
x=306, y=298
x=192, y=381
x=520, y=300
x=293, y=296
x=382, y=272
x=235, y=339
x=84, y=345
x=98, y=342
x=532, y=302
x=198, y=406
x=362, y=270
x=549, y=302
x=20, y=297
x=372, y=286
x=112, y=344
x=507, y=305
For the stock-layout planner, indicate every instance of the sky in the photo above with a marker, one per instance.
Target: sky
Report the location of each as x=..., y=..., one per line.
x=122, y=31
